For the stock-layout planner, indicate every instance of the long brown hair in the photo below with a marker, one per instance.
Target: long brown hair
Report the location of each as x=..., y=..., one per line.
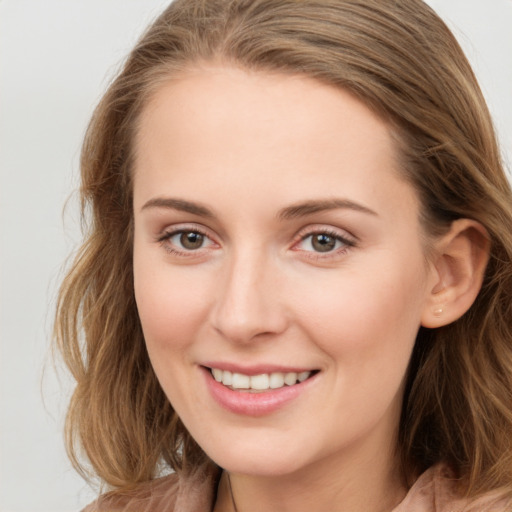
x=398, y=58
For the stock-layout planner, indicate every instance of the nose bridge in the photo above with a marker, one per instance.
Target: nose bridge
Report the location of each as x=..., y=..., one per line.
x=247, y=304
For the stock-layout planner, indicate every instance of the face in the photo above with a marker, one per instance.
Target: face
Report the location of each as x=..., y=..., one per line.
x=279, y=270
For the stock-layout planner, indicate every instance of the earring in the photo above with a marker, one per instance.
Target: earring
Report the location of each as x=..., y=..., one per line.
x=438, y=311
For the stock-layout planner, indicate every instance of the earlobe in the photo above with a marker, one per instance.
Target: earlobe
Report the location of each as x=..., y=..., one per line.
x=458, y=271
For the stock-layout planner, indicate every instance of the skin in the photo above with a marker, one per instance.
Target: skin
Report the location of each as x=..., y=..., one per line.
x=246, y=146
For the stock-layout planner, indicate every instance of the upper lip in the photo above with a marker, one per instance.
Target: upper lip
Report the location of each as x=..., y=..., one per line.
x=256, y=369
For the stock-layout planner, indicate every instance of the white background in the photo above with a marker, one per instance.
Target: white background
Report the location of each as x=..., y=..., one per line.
x=56, y=58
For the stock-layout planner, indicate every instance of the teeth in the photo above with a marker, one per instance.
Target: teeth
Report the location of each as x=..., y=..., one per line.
x=303, y=376
x=227, y=378
x=241, y=381
x=276, y=380
x=290, y=378
x=261, y=382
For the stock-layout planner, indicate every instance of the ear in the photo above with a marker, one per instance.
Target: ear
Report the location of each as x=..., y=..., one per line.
x=458, y=269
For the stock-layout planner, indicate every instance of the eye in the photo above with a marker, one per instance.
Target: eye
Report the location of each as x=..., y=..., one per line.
x=185, y=241
x=324, y=242
x=189, y=240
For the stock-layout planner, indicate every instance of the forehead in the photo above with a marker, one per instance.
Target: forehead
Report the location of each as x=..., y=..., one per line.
x=258, y=130
x=216, y=100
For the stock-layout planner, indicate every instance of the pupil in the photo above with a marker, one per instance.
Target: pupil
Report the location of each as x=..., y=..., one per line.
x=191, y=240
x=323, y=243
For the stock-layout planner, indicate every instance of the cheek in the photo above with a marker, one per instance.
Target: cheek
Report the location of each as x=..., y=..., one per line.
x=366, y=311
x=171, y=309
x=171, y=304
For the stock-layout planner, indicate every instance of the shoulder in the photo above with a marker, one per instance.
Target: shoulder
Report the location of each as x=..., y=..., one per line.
x=191, y=491
x=436, y=490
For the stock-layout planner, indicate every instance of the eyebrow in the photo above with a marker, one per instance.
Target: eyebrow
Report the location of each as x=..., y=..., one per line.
x=309, y=207
x=290, y=212
x=178, y=204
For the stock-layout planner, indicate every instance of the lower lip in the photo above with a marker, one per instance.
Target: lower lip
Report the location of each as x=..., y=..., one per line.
x=250, y=403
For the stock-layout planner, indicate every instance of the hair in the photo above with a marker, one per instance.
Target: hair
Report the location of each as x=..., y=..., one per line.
x=399, y=59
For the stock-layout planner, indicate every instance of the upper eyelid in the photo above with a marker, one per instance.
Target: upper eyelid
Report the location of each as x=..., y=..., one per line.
x=330, y=230
x=183, y=228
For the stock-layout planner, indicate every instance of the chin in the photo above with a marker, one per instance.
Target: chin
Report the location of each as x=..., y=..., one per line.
x=259, y=460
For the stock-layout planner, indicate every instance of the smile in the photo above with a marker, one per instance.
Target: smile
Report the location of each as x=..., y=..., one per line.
x=262, y=382
x=257, y=393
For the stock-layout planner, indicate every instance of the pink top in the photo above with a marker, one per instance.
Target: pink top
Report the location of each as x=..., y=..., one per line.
x=434, y=491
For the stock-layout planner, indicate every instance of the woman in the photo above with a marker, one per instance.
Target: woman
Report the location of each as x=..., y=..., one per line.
x=295, y=290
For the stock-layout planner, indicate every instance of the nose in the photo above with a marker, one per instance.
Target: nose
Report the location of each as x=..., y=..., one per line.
x=248, y=304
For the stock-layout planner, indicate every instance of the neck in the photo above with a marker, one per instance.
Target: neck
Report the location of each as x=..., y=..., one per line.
x=373, y=485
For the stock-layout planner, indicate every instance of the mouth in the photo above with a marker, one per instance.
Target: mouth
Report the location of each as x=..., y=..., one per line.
x=261, y=382
x=260, y=390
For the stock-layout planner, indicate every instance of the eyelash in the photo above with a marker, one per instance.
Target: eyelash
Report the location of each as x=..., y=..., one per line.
x=346, y=240
x=165, y=240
